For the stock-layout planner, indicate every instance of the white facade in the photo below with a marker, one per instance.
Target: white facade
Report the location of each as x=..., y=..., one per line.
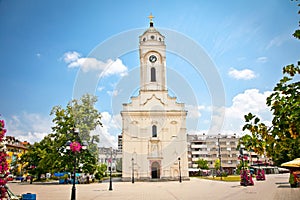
x=153, y=123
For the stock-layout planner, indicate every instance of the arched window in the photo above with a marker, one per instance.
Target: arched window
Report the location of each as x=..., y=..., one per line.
x=154, y=131
x=153, y=74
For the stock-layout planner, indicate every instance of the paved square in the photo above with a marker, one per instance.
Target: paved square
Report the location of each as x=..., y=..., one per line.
x=276, y=187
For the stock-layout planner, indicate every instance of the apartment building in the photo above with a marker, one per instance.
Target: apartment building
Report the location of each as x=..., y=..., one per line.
x=15, y=149
x=212, y=147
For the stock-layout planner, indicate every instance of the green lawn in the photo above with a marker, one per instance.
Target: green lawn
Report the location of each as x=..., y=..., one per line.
x=233, y=178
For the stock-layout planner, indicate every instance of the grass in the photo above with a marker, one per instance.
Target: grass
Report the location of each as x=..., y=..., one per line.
x=233, y=178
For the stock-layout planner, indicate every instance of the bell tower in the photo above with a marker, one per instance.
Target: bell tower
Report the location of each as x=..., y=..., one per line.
x=152, y=51
x=153, y=123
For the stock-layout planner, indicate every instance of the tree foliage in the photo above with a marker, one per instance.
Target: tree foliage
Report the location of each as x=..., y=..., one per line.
x=202, y=164
x=101, y=171
x=217, y=164
x=51, y=155
x=281, y=141
x=242, y=165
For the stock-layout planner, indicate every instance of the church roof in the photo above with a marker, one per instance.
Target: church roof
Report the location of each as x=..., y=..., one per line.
x=152, y=31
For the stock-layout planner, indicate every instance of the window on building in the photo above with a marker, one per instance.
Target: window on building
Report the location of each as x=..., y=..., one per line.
x=153, y=74
x=154, y=131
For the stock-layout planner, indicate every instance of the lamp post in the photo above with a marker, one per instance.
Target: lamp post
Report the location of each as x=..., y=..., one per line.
x=242, y=157
x=179, y=170
x=110, y=181
x=73, y=194
x=132, y=163
x=75, y=147
x=220, y=157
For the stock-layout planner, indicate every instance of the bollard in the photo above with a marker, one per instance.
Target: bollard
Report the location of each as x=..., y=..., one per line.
x=28, y=196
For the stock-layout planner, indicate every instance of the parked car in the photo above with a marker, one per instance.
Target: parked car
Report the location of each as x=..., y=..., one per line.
x=20, y=178
x=10, y=177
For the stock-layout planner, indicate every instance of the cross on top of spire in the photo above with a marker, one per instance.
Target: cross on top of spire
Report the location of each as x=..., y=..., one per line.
x=151, y=19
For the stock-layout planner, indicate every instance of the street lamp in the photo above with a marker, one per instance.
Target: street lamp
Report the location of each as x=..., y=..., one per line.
x=220, y=157
x=110, y=170
x=75, y=147
x=179, y=170
x=132, y=162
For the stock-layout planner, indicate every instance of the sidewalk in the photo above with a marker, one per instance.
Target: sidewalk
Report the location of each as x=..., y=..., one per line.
x=275, y=187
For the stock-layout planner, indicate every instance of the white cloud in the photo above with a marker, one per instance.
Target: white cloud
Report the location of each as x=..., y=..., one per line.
x=108, y=68
x=32, y=137
x=113, y=93
x=71, y=56
x=262, y=59
x=87, y=64
x=99, y=89
x=29, y=127
x=109, y=131
x=278, y=40
x=34, y=127
x=115, y=67
x=245, y=74
x=250, y=101
x=194, y=112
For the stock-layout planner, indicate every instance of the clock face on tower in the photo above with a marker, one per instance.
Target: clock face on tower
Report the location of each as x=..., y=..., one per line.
x=152, y=58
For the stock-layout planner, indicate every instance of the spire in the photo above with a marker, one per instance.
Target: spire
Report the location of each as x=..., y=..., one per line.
x=151, y=19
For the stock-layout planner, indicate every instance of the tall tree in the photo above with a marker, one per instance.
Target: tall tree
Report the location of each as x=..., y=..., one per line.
x=50, y=154
x=83, y=115
x=78, y=114
x=281, y=141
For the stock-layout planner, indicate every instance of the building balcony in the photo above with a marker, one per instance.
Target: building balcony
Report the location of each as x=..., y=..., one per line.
x=199, y=152
x=198, y=146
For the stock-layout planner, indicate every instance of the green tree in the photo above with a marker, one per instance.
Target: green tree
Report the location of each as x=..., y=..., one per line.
x=281, y=141
x=100, y=171
x=202, y=164
x=241, y=165
x=253, y=143
x=83, y=115
x=43, y=157
x=217, y=164
x=50, y=154
x=80, y=114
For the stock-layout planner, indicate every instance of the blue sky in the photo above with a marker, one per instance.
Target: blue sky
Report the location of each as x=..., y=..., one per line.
x=43, y=45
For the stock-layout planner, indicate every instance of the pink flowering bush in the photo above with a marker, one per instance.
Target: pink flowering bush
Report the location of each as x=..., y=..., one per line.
x=3, y=162
x=75, y=146
x=2, y=130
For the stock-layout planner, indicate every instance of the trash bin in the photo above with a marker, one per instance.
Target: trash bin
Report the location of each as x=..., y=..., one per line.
x=28, y=196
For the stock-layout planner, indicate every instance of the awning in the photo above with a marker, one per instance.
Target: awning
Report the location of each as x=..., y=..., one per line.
x=292, y=164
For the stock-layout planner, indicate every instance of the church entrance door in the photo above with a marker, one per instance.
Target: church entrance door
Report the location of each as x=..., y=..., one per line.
x=155, y=170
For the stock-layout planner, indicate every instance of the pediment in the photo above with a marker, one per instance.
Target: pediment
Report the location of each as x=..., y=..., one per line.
x=150, y=101
x=153, y=100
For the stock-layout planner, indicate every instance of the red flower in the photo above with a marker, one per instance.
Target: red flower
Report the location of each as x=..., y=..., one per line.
x=75, y=146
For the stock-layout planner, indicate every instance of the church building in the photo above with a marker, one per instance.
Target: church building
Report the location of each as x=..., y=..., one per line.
x=154, y=138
